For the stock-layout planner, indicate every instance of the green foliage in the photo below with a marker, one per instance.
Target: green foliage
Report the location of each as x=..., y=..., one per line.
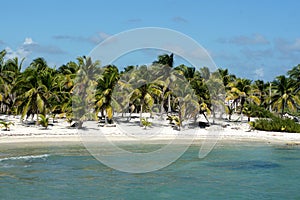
x=44, y=121
x=276, y=124
x=146, y=123
x=6, y=125
x=253, y=110
x=175, y=119
x=41, y=89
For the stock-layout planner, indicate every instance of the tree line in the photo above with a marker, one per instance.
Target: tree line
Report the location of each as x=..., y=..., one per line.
x=43, y=90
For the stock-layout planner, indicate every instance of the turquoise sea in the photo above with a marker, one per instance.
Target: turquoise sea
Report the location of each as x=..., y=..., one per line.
x=230, y=171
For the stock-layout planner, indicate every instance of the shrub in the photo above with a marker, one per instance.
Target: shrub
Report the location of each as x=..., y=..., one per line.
x=6, y=125
x=44, y=121
x=276, y=124
x=146, y=123
x=258, y=111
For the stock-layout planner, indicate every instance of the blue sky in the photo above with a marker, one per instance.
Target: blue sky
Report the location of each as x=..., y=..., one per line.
x=253, y=39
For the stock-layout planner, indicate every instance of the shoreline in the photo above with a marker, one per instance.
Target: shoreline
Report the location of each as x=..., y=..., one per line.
x=235, y=136
x=60, y=134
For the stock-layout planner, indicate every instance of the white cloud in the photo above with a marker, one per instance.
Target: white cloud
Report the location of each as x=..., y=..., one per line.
x=28, y=41
x=19, y=52
x=29, y=47
x=259, y=73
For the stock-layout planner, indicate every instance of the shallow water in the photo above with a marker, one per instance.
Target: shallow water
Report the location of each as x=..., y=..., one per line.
x=230, y=171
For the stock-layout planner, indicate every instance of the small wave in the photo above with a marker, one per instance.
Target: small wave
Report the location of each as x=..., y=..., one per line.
x=24, y=157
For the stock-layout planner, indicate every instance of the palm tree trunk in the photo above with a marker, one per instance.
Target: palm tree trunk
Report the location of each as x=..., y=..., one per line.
x=205, y=117
x=37, y=117
x=242, y=106
x=169, y=104
x=141, y=114
x=162, y=106
x=282, y=109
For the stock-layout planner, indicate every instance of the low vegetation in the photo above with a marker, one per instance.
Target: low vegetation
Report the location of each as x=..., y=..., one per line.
x=43, y=121
x=276, y=124
x=6, y=125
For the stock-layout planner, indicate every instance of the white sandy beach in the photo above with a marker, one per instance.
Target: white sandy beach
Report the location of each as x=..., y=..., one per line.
x=60, y=133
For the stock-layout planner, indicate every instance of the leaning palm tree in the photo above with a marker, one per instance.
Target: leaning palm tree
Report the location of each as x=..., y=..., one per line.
x=284, y=96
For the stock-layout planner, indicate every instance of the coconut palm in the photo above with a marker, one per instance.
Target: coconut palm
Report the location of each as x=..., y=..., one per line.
x=216, y=94
x=144, y=90
x=34, y=93
x=9, y=72
x=165, y=79
x=262, y=91
x=165, y=59
x=241, y=92
x=104, y=94
x=294, y=74
x=200, y=97
x=165, y=63
x=226, y=77
x=83, y=92
x=13, y=71
x=284, y=96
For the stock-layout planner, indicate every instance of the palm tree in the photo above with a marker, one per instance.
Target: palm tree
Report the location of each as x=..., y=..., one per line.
x=294, y=74
x=34, y=93
x=215, y=94
x=144, y=93
x=104, y=94
x=83, y=92
x=284, y=95
x=195, y=80
x=165, y=81
x=165, y=63
x=165, y=59
x=262, y=92
x=9, y=72
x=241, y=92
x=226, y=77
x=65, y=78
x=12, y=71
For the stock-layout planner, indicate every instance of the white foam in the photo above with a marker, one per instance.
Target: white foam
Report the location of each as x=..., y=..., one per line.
x=24, y=157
